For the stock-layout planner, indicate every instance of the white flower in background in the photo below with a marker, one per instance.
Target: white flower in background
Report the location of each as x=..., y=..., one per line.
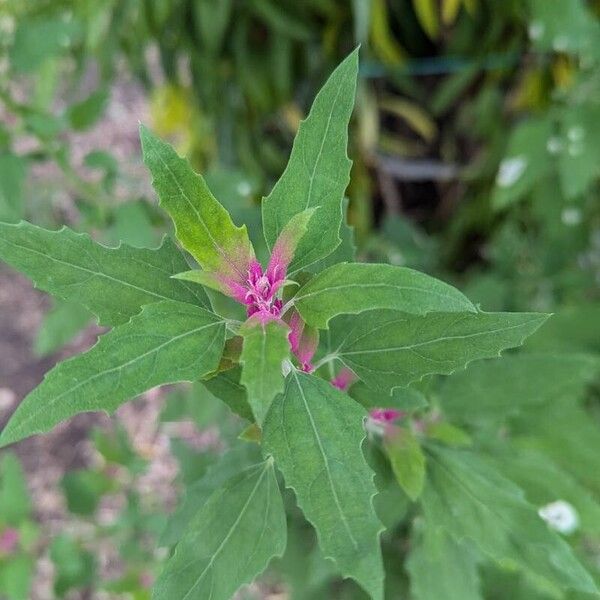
x=554, y=145
x=560, y=516
x=244, y=188
x=560, y=43
x=510, y=170
x=576, y=133
x=571, y=216
x=536, y=30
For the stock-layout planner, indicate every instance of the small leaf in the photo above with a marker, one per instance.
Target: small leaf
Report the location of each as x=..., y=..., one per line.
x=168, y=342
x=230, y=541
x=428, y=18
x=389, y=349
x=202, y=225
x=407, y=460
x=315, y=434
x=356, y=287
x=265, y=348
x=318, y=170
x=15, y=503
x=491, y=511
x=226, y=387
x=113, y=283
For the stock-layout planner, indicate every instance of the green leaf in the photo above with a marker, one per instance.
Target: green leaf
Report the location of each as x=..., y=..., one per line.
x=232, y=462
x=167, y=343
x=407, y=460
x=202, y=225
x=389, y=349
x=440, y=567
x=355, y=287
x=494, y=389
x=318, y=170
x=265, y=347
x=75, y=567
x=492, y=511
x=84, y=114
x=15, y=503
x=315, y=433
x=84, y=489
x=226, y=387
x=230, y=541
x=113, y=283
x=16, y=577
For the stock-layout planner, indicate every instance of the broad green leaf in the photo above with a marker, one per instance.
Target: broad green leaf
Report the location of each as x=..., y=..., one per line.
x=265, y=347
x=196, y=494
x=567, y=434
x=389, y=349
x=492, y=512
x=315, y=433
x=407, y=460
x=495, y=389
x=346, y=251
x=113, y=283
x=440, y=567
x=318, y=170
x=230, y=541
x=167, y=342
x=202, y=225
x=355, y=287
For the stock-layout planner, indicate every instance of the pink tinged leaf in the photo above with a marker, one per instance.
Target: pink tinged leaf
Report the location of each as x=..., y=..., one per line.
x=344, y=379
x=286, y=244
x=304, y=341
x=216, y=281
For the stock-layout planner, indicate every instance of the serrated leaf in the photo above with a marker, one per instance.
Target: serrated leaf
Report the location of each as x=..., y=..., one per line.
x=265, y=347
x=196, y=494
x=491, y=390
x=440, y=567
x=168, y=342
x=318, y=170
x=388, y=349
x=407, y=460
x=202, y=224
x=113, y=283
x=492, y=512
x=230, y=541
x=355, y=287
x=315, y=432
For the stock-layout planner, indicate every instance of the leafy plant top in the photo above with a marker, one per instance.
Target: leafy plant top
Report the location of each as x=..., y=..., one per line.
x=313, y=345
